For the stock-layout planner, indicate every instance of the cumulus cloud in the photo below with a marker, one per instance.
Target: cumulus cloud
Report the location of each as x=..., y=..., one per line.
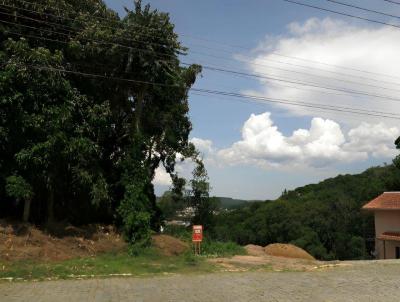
x=161, y=177
x=375, y=139
x=336, y=43
x=323, y=144
x=205, y=146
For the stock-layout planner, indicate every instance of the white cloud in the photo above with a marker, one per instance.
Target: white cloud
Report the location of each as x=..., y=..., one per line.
x=323, y=144
x=205, y=146
x=161, y=177
x=375, y=139
x=335, y=43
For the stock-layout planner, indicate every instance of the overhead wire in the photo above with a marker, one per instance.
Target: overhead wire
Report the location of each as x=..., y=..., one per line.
x=291, y=81
x=234, y=46
x=341, y=13
x=248, y=61
x=363, y=9
x=235, y=94
x=391, y=1
x=70, y=28
x=140, y=49
x=232, y=94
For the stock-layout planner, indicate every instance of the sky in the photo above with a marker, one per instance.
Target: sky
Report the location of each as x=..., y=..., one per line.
x=256, y=149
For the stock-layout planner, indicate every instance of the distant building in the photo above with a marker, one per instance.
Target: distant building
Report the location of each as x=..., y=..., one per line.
x=187, y=212
x=386, y=209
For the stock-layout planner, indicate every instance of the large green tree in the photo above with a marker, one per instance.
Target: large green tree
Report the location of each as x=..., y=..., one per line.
x=114, y=106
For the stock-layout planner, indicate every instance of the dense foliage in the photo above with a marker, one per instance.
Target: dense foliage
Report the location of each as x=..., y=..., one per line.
x=195, y=196
x=325, y=218
x=90, y=105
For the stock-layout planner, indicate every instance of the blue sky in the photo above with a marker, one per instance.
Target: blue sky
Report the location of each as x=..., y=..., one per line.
x=272, y=156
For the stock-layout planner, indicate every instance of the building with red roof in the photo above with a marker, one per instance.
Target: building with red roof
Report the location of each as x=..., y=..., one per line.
x=386, y=209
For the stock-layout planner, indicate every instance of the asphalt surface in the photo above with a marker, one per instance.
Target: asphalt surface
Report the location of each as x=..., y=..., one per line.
x=363, y=282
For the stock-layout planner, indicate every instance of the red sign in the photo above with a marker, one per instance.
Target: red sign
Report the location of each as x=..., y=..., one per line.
x=197, y=235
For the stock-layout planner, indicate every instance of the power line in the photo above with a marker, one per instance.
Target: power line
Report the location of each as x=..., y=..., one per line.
x=309, y=110
x=241, y=73
x=117, y=22
x=301, y=59
x=260, y=76
x=343, y=14
x=70, y=28
x=302, y=83
x=390, y=1
x=59, y=16
x=249, y=61
x=217, y=42
x=233, y=94
x=114, y=43
x=87, y=39
x=364, y=9
x=301, y=104
x=323, y=77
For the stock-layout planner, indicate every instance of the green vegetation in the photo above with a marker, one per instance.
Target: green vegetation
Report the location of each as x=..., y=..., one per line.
x=325, y=219
x=92, y=104
x=232, y=203
x=209, y=247
x=212, y=248
x=148, y=263
x=77, y=143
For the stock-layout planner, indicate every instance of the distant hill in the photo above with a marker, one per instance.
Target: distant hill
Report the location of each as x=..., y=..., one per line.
x=228, y=202
x=325, y=218
x=231, y=203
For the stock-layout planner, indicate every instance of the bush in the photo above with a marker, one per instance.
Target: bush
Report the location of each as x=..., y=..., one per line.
x=179, y=231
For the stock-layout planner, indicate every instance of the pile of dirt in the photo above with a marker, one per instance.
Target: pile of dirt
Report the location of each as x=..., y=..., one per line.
x=287, y=251
x=254, y=250
x=169, y=246
x=23, y=241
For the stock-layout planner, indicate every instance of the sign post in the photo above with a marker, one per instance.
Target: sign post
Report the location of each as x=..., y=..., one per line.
x=197, y=238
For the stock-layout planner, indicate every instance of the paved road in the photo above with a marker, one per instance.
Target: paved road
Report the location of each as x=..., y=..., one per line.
x=377, y=282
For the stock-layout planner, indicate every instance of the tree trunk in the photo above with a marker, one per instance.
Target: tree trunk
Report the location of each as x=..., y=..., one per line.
x=27, y=210
x=138, y=111
x=50, y=207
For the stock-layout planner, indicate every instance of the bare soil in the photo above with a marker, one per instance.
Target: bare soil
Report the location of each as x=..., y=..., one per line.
x=168, y=245
x=26, y=242
x=277, y=257
x=246, y=263
x=287, y=251
x=254, y=250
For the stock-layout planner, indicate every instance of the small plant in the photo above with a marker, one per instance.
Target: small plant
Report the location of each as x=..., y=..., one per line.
x=190, y=259
x=221, y=249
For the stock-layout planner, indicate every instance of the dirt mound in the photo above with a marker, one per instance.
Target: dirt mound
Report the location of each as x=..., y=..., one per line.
x=24, y=241
x=168, y=245
x=287, y=251
x=254, y=250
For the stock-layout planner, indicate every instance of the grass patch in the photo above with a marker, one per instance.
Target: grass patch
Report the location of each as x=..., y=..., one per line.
x=221, y=249
x=148, y=263
x=209, y=247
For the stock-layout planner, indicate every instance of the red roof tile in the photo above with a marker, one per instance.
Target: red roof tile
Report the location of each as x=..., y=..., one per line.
x=394, y=236
x=385, y=201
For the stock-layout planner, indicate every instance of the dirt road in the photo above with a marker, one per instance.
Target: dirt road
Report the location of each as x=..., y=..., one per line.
x=358, y=282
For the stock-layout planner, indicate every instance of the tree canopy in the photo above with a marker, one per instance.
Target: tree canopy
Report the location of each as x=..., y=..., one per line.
x=91, y=104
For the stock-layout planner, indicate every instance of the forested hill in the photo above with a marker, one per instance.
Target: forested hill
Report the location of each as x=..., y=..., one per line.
x=362, y=187
x=324, y=218
x=233, y=203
